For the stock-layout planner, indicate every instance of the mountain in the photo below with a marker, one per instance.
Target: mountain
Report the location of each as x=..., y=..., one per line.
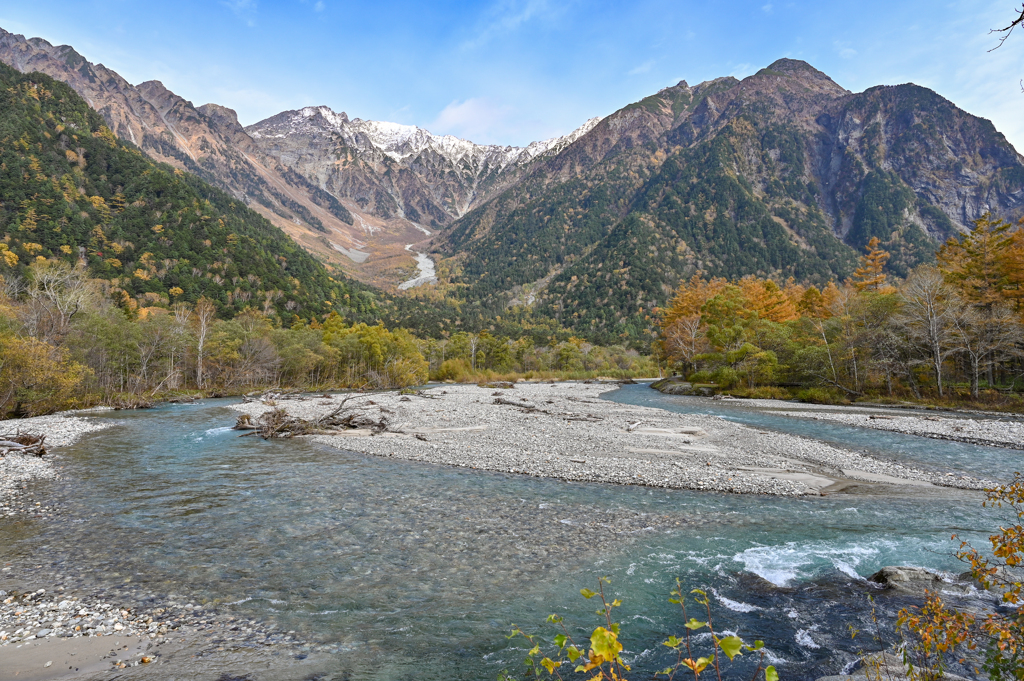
x=70, y=189
x=782, y=174
x=392, y=170
x=207, y=141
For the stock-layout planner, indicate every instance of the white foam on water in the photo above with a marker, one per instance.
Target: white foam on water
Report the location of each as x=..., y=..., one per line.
x=783, y=564
x=736, y=606
x=804, y=640
x=214, y=431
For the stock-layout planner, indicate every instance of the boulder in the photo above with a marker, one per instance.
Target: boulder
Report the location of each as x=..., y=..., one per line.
x=913, y=580
x=884, y=667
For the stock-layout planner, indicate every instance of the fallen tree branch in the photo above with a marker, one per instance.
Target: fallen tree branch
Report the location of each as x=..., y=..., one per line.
x=22, y=443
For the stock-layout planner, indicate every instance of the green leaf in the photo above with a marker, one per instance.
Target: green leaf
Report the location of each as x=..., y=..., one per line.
x=587, y=593
x=695, y=624
x=673, y=600
x=560, y=640
x=554, y=619
x=672, y=642
x=605, y=643
x=573, y=653
x=535, y=651
x=731, y=645
x=758, y=645
x=549, y=664
x=770, y=674
x=616, y=603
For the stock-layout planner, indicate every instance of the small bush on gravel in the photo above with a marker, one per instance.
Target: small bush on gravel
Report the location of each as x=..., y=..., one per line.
x=821, y=396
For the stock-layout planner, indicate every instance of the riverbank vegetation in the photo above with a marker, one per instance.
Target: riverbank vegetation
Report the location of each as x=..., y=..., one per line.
x=65, y=342
x=950, y=333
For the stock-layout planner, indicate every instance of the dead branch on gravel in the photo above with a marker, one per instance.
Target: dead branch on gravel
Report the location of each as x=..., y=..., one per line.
x=278, y=423
x=22, y=443
x=532, y=409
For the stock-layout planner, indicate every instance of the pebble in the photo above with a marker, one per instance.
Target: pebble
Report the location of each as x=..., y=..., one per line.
x=566, y=431
x=17, y=470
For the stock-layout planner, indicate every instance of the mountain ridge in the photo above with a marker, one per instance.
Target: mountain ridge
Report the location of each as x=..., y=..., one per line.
x=782, y=174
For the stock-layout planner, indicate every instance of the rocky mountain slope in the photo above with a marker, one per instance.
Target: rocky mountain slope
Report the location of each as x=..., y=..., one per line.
x=784, y=173
x=393, y=170
x=352, y=192
x=71, y=190
x=209, y=142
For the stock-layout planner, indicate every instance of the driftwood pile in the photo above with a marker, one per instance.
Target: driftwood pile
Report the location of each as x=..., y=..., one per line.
x=278, y=423
x=22, y=443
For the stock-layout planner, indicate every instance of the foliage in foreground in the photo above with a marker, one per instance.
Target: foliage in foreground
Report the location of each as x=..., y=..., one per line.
x=937, y=632
x=602, y=659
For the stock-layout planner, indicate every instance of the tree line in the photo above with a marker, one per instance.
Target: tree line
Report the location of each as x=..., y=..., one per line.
x=948, y=330
x=64, y=342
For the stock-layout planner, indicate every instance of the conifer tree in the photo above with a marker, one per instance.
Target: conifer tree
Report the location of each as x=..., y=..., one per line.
x=869, y=276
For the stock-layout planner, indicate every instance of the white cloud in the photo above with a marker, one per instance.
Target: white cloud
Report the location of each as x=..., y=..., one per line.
x=767, y=9
x=643, y=68
x=844, y=50
x=478, y=119
x=319, y=6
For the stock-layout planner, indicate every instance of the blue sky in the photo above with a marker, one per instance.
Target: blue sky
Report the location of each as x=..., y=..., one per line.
x=512, y=71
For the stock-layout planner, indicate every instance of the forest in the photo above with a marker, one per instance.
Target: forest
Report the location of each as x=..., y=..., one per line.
x=65, y=343
x=953, y=331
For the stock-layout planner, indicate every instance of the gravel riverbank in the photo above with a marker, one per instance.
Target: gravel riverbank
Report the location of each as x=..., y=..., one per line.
x=987, y=432
x=565, y=431
x=17, y=470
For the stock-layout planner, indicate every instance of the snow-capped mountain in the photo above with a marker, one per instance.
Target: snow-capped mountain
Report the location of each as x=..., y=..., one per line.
x=392, y=169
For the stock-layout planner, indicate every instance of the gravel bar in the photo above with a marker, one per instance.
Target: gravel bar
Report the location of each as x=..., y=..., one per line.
x=987, y=432
x=17, y=470
x=566, y=431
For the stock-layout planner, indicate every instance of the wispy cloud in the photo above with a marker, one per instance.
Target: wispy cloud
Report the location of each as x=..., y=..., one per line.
x=768, y=9
x=243, y=9
x=319, y=6
x=479, y=119
x=643, y=68
x=844, y=50
x=507, y=16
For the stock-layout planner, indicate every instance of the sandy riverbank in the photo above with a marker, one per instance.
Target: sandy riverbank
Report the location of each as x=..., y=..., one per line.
x=565, y=431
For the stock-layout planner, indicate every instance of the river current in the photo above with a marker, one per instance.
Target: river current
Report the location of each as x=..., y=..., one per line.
x=415, y=571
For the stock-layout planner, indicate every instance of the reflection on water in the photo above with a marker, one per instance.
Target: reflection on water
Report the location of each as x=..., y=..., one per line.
x=413, y=570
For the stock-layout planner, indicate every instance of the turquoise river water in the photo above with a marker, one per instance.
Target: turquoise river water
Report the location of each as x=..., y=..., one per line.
x=415, y=571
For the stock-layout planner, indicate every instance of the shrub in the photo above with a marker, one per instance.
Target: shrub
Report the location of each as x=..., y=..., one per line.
x=821, y=396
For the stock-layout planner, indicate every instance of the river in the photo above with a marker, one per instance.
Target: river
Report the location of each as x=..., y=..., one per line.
x=409, y=570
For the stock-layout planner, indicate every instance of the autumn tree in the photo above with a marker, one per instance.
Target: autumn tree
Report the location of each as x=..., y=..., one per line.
x=869, y=276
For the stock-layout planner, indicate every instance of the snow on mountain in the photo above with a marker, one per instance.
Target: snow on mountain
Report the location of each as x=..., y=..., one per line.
x=403, y=142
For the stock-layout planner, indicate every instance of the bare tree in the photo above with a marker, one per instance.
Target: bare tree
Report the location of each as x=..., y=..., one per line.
x=990, y=335
x=685, y=339
x=204, y=312
x=58, y=292
x=929, y=307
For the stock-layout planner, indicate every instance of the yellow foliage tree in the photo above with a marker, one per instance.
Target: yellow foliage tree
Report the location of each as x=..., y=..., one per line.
x=36, y=377
x=869, y=276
